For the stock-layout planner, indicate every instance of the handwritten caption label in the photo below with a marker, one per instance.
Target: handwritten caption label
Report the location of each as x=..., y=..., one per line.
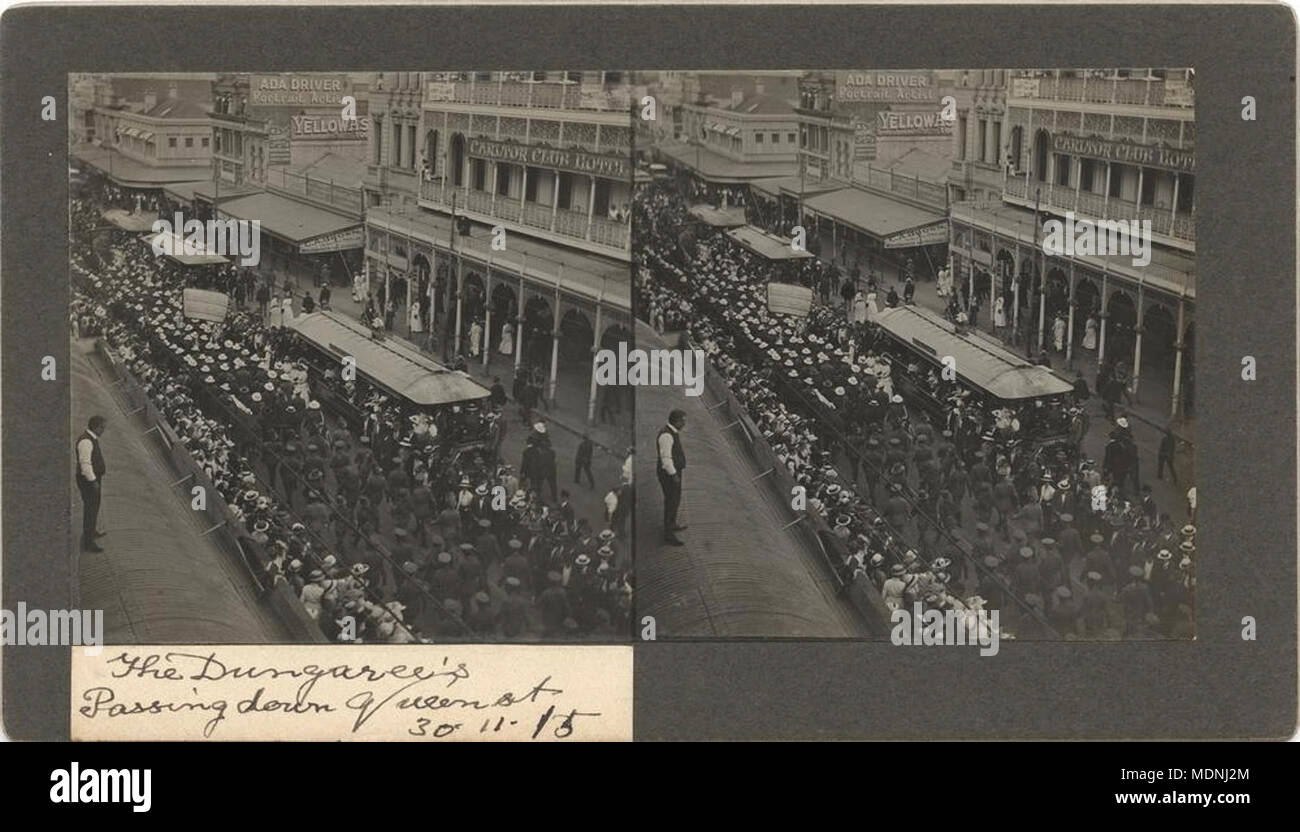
x=343, y=692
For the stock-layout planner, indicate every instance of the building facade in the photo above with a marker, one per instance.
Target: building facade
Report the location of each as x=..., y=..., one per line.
x=979, y=157
x=754, y=127
x=874, y=161
x=539, y=165
x=1102, y=146
x=165, y=131
x=239, y=136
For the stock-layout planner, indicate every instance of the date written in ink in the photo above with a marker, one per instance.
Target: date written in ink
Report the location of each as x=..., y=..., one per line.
x=560, y=725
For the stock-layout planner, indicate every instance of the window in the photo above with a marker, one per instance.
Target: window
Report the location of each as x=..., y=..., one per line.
x=189, y=141
x=410, y=146
x=1148, y=187
x=171, y=141
x=379, y=140
x=996, y=150
x=961, y=137
x=1087, y=170
x=1116, y=180
x=396, y=158
x=503, y=179
x=1062, y=169
x=600, y=199
x=983, y=154
x=566, y=191
x=531, y=175
x=758, y=138
x=205, y=141
x=1185, y=193
x=776, y=138
x=479, y=174
x=789, y=137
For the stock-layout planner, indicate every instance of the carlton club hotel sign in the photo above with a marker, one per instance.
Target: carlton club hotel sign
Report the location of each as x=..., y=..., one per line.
x=1129, y=153
x=568, y=159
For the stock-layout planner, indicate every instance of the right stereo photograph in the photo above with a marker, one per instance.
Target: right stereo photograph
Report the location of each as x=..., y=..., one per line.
x=934, y=333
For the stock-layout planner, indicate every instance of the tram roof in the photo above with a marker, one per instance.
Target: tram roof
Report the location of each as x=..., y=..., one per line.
x=978, y=360
x=390, y=363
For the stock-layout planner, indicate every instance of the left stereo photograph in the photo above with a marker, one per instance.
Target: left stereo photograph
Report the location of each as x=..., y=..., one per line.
x=333, y=340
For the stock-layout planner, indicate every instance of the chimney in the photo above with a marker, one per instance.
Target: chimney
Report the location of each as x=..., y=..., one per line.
x=150, y=100
x=737, y=96
x=171, y=90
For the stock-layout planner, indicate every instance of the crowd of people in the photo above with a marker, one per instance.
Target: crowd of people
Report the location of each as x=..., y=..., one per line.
x=391, y=523
x=939, y=494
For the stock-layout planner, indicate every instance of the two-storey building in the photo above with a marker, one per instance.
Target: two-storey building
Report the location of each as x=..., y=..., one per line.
x=539, y=164
x=1098, y=145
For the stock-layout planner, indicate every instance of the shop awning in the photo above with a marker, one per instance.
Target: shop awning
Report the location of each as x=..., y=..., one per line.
x=767, y=245
x=1170, y=270
x=793, y=186
x=873, y=213
x=133, y=174
x=293, y=221
x=182, y=191
x=212, y=190
x=715, y=167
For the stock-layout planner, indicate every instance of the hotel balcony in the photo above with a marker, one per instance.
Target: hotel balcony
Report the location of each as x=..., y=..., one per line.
x=539, y=95
x=591, y=232
x=1168, y=227
x=1110, y=91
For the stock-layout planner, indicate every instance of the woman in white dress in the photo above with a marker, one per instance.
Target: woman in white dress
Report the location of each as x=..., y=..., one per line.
x=507, y=346
x=413, y=318
x=999, y=313
x=475, y=338
x=872, y=309
x=859, y=308
x=1090, y=334
x=288, y=309
x=1058, y=333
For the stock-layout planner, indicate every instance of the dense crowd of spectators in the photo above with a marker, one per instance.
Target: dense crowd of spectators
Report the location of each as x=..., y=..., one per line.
x=391, y=523
x=939, y=494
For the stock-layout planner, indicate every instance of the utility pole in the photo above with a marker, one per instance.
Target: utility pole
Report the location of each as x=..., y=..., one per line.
x=460, y=274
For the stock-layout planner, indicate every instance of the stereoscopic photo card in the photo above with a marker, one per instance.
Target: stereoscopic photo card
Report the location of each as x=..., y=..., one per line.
x=899, y=372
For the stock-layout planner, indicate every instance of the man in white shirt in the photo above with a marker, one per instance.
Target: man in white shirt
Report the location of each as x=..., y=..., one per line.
x=671, y=462
x=90, y=479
